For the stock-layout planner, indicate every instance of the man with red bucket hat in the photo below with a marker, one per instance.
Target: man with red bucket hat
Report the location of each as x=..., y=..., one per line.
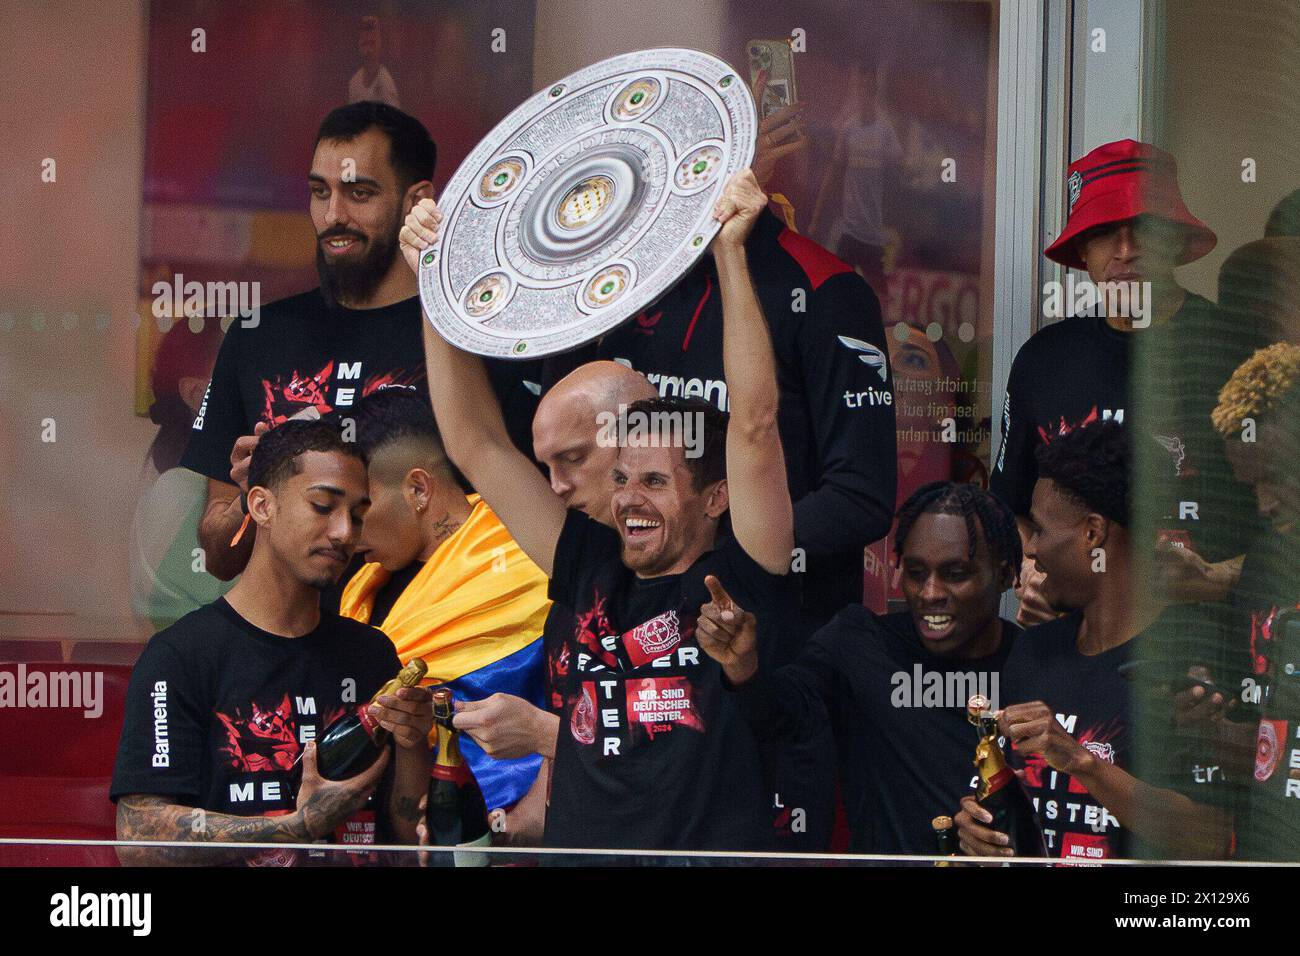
x=1129, y=228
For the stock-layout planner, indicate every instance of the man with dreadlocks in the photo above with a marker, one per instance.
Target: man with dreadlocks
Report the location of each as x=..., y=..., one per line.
x=895, y=686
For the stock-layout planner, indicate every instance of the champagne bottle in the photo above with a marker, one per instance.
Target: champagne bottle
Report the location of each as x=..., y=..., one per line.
x=1000, y=791
x=457, y=813
x=945, y=836
x=353, y=742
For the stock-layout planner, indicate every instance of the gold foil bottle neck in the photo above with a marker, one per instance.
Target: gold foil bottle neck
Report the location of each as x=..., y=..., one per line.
x=448, y=738
x=408, y=676
x=989, y=761
x=413, y=672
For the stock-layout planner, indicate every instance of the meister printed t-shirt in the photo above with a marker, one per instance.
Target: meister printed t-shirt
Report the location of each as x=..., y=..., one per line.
x=653, y=752
x=219, y=710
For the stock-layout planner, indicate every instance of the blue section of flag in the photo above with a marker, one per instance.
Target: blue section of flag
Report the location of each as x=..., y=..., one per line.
x=503, y=782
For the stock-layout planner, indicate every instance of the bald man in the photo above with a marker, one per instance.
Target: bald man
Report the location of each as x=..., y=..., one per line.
x=565, y=440
x=565, y=432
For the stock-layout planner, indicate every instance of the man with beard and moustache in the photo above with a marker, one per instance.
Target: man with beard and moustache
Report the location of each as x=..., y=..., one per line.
x=1072, y=721
x=667, y=763
x=837, y=430
x=904, y=753
x=327, y=348
x=226, y=701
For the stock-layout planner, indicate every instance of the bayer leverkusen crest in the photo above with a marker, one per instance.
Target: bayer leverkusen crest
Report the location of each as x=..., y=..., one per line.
x=1075, y=182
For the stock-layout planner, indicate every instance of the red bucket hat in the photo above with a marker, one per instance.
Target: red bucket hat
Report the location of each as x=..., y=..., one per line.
x=1121, y=180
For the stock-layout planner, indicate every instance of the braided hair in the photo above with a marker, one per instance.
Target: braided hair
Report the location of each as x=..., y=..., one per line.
x=996, y=522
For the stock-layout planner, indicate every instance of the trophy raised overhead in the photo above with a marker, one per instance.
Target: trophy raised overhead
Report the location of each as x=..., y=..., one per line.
x=586, y=203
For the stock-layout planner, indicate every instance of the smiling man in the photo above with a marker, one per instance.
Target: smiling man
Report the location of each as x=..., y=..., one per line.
x=896, y=686
x=327, y=348
x=652, y=753
x=224, y=703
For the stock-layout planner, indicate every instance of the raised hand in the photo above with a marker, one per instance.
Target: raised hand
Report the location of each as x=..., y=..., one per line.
x=420, y=231
x=241, y=455
x=741, y=203
x=728, y=633
x=1034, y=608
x=779, y=134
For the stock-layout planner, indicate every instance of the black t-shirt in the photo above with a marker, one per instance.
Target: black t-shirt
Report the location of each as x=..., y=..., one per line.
x=218, y=710
x=899, y=715
x=1269, y=581
x=1269, y=826
x=1081, y=369
x=303, y=353
x=652, y=753
x=836, y=414
x=1101, y=709
x=1092, y=702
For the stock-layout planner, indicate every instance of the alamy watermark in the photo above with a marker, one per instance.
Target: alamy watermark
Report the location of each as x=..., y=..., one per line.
x=1127, y=300
x=75, y=909
x=76, y=690
x=636, y=428
x=178, y=298
x=921, y=688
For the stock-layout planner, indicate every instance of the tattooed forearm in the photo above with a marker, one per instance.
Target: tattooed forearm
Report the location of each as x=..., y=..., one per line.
x=147, y=817
x=325, y=808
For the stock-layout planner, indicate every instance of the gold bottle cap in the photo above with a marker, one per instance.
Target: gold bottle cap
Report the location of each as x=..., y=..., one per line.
x=977, y=705
x=941, y=823
x=413, y=672
x=442, y=696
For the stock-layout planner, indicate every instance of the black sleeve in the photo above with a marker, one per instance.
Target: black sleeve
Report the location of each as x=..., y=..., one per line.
x=584, y=544
x=752, y=585
x=163, y=735
x=773, y=598
x=793, y=701
x=222, y=418
x=518, y=388
x=1016, y=469
x=841, y=348
x=381, y=657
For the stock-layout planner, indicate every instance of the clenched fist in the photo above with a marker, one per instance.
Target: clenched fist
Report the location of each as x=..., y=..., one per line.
x=739, y=208
x=420, y=231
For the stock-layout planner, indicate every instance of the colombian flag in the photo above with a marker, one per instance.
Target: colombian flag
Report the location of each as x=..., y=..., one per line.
x=475, y=613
